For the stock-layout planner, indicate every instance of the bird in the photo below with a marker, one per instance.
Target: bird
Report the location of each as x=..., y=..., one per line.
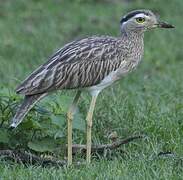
x=88, y=64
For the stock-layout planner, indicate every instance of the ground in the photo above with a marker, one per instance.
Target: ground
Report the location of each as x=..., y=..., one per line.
x=148, y=101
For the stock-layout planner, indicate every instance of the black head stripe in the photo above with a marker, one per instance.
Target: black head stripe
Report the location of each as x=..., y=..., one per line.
x=131, y=14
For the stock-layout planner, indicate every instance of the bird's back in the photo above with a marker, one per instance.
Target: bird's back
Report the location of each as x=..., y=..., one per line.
x=79, y=64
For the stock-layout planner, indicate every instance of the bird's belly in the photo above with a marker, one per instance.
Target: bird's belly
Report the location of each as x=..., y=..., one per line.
x=112, y=77
x=107, y=81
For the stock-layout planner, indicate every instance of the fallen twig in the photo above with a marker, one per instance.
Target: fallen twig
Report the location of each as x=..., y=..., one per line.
x=101, y=148
x=28, y=158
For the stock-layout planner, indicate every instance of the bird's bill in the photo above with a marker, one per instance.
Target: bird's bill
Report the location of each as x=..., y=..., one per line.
x=164, y=25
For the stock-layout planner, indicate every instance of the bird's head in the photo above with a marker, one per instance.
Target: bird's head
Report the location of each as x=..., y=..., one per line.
x=141, y=20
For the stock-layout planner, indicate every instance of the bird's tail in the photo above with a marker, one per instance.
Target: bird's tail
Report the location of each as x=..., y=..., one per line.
x=24, y=108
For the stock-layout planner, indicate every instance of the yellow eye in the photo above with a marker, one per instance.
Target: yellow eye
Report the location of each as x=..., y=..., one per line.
x=140, y=19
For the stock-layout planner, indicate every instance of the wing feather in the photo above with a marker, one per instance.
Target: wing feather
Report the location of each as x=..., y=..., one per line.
x=79, y=64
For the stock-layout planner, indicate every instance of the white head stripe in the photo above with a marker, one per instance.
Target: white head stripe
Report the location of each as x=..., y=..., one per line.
x=140, y=15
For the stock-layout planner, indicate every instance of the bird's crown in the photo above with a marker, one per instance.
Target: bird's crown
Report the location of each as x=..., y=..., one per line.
x=135, y=13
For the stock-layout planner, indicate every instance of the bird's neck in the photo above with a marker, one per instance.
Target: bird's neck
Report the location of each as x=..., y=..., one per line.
x=135, y=42
x=133, y=35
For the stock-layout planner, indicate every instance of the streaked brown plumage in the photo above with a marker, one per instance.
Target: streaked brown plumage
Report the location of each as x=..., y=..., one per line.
x=82, y=63
x=92, y=63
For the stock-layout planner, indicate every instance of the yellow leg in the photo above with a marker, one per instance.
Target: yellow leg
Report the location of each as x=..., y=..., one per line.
x=89, y=126
x=69, y=125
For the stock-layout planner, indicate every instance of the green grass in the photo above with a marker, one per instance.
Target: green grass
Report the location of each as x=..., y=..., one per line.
x=148, y=101
x=134, y=168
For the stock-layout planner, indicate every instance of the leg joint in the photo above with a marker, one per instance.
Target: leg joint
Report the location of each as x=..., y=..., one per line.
x=69, y=116
x=89, y=123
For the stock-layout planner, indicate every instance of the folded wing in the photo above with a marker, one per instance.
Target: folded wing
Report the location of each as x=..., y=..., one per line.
x=79, y=64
